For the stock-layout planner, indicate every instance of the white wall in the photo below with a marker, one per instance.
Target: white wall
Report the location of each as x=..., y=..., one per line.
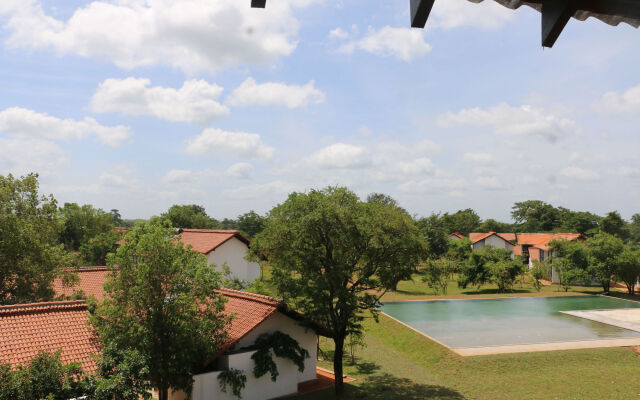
x=233, y=252
x=494, y=241
x=305, y=337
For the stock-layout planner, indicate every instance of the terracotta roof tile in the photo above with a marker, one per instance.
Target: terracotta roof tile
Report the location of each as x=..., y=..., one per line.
x=30, y=328
x=91, y=281
x=206, y=240
x=476, y=237
x=458, y=235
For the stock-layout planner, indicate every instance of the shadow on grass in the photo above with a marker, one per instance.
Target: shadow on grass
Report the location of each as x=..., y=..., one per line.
x=367, y=368
x=387, y=386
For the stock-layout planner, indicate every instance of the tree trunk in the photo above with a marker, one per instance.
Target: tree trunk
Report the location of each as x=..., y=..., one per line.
x=163, y=392
x=606, y=286
x=337, y=365
x=631, y=287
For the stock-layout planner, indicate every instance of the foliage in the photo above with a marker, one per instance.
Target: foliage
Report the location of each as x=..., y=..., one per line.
x=462, y=221
x=190, y=216
x=250, y=223
x=504, y=272
x=122, y=375
x=604, y=249
x=434, y=234
x=628, y=268
x=117, y=218
x=491, y=225
x=540, y=270
x=30, y=256
x=459, y=251
x=96, y=249
x=634, y=228
x=333, y=257
x=281, y=345
x=571, y=261
x=81, y=223
x=44, y=377
x=355, y=340
x=437, y=273
x=234, y=378
x=535, y=216
x=477, y=271
x=613, y=224
x=160, y=302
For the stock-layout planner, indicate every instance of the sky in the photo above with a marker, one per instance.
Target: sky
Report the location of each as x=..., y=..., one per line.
x=136, y=105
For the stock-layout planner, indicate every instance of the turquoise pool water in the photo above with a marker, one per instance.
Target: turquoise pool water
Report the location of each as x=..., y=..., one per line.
x=494, y=322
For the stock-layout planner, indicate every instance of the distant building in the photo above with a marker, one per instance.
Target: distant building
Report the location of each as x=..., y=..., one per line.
x=456, y=236
x=480, y=240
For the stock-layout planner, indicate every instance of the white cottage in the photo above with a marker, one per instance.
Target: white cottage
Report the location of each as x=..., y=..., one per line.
x=223, y=246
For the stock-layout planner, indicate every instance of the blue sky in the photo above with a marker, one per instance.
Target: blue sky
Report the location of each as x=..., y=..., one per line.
x=141, y=104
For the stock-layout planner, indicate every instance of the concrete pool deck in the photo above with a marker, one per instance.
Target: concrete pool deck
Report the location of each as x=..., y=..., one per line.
x=627, y=318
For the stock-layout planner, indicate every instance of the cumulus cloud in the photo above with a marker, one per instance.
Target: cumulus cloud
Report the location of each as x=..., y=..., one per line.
x=340, y=155
x=241, y=170
x=616, y=103
x=22, y=156
x=401, y=43
x=480, y=158
x=433, y=185
x=24, y=123
x=580, y=173
x=275, y=93
x=489, y=183
x=240, y=144
x=338, y=33
x=184, y=176
x=196, y=101
x=278, y=188
x=191, y=35
x=419, y=166
x=506, y=120
x=458, y=13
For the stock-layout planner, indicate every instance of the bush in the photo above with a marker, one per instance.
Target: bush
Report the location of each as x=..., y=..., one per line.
x=504, y=273
x=437, y=274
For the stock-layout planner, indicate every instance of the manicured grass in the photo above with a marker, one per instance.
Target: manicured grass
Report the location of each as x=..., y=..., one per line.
x=416, y=289
x=399, y=363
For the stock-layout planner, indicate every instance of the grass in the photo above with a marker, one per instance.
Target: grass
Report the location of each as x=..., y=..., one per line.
x=398, y=363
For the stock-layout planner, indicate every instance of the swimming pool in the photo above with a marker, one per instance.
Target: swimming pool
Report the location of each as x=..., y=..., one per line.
x=514, y=321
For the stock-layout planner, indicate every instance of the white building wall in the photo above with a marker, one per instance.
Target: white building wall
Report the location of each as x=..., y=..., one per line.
x=233, y=252
x=497, y=242
x=307, y=339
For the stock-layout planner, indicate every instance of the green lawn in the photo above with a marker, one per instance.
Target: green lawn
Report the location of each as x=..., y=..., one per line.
x=399, y=363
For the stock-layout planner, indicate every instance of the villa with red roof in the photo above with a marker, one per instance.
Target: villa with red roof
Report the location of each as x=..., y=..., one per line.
x=64, y=325
x=220, y=247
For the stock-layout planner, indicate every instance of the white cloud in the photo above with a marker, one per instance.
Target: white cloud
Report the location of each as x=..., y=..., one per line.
x=480, y=158
x=402, y=43
x=451, y=14
x=275, y=93
x=489, y=183
x=580, y=173
x=629, y=171
x=434, y=185
x=241, y=144
x=338, y=33
x=419, y=166
x=273, y=189
x=506, y=120
x=178, y=176
x=240, y=170
x=23, y=123
x=614, y=103
x=192, y=35
x=194, y=102
x=340, y=156
x=427, y=147
x=20, y=157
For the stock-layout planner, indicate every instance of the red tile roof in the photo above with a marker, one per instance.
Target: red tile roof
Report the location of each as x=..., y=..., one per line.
x=91, y=281
x=458, y=235
x=29, y=328
x=206, y=240
x=476, y=237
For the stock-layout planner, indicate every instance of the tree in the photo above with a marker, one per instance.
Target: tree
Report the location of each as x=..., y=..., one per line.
x=570, y=260
x=613, y=224
x=30, y=256
x=384, y=199
x=462, y=221
x=634, y=228
x=250, y=223
x=539, y=271
x=603, y=256
x=491, y=225
x=628, y=268
x=334, y=256
x=81, y=223
x=535, y=216
x=160, y=301
x=190, y=216
x=578, y=221
x=477, y=270
x=96, y=249
x=504, y=272
x=117, y=218
x=435, y=235
x=437, y=273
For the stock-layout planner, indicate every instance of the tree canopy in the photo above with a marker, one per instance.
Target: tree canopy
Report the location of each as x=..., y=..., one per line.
x=333, y=256
x=190, y=216
x=160, y=301
x=81, y=223
x=30, y=254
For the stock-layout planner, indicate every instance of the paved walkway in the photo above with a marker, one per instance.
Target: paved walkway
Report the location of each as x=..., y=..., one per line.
x=526, y=348
x=627, y=318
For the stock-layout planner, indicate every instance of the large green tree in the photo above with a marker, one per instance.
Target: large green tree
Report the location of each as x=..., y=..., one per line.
x=435, y=235
x=604, y=250
x=190, y=216
x=535, y=216
x=462, y=221
x=334, y=256
x=628, y=268
x=613, y=224
x=161, y=302
x=491, y=225
x=250, y=223
x=30, y=256
x=634, y=228
x=82, y=223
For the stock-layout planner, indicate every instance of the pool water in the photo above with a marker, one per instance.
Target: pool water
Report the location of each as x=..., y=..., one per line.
x=494, y=322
